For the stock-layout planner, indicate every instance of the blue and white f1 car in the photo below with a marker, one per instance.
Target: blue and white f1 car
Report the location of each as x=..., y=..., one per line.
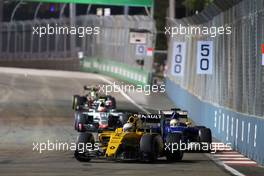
x=177, y=121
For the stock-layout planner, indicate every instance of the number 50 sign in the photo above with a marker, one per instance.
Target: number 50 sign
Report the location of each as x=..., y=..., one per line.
x=205, y=57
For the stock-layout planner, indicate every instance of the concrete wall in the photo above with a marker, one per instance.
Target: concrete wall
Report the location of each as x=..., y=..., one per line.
x=243, y=131
x=58, y=64
x=118, y=70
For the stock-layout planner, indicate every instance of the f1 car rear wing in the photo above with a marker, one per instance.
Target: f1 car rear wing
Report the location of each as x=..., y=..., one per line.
x=90, y=88
x=150, y=118
x=149, y=122
x=175, y=113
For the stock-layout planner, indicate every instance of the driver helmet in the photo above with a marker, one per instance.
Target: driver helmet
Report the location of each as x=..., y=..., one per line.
x=128, y=127
x=173, y=123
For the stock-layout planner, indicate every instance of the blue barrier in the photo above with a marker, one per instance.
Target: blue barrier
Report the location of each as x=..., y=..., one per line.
x=242, y=131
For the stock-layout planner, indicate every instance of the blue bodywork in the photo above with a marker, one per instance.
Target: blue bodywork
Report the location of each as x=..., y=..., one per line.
x=190, y=134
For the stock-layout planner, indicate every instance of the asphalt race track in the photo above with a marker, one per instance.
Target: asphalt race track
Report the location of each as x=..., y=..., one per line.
x=35, y=108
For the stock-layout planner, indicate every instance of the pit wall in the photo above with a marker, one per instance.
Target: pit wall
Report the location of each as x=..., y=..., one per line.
x=117, y=70
x=242, y=131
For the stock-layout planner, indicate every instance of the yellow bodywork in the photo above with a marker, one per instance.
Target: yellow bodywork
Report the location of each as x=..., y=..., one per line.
x=117, y=138
x=112, y=141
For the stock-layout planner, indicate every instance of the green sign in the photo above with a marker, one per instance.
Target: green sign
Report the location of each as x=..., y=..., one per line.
x=135, y=3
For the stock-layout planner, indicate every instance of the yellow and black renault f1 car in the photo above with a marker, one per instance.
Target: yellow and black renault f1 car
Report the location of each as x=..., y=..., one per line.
x=139, y=140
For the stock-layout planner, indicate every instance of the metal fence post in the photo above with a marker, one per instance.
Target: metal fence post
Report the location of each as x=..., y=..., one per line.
x=1, y=26
x=73, y=23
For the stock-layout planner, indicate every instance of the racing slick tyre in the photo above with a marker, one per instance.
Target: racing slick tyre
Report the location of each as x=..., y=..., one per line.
x=74, y=100
x=78, y=101
x=150, y=147
x=76, y=121
x=205, y=138
x=79, y=122
x=171, y=154
x=81, y=154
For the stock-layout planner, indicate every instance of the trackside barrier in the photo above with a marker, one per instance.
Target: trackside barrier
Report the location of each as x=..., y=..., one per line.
x=117, y=70
x=19, y=41
x=233, y=76
x=242, y=131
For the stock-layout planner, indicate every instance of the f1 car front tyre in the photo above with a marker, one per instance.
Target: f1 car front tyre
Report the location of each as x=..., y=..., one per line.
x=81, y=154
x=173, y=151
x=150, y=147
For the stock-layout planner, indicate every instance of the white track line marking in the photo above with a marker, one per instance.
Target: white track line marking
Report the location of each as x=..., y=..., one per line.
x=228, y=168
x=227, y=155
x=220, y=150
x=239, y=162
x=125, y=95
x=228, y=158
x=227, y=152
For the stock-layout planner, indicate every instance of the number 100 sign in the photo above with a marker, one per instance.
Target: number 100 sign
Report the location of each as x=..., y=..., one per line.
x=204, y=57
x=178, y=58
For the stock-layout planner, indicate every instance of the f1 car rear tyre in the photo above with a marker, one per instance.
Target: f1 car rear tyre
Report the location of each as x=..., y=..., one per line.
x=205, y=135
x=76, y=121
x=79, y=120
x=81, y=154
x=172, y=140
x=150, y=147
x=205, y=138
x=74, y=101
x=78, y=101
